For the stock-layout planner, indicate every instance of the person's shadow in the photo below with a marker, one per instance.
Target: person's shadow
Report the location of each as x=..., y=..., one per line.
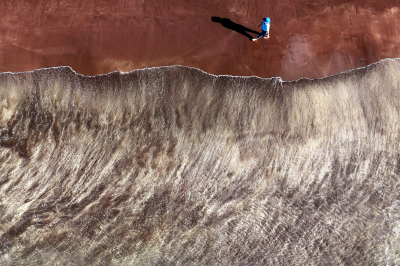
x=229, y=24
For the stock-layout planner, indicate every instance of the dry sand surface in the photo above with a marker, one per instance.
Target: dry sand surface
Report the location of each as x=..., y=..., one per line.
x=308, y=38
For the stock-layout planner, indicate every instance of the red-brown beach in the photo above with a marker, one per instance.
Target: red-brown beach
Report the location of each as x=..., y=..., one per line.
x=308, y=38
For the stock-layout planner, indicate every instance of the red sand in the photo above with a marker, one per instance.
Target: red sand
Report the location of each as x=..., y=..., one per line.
x=308, y=38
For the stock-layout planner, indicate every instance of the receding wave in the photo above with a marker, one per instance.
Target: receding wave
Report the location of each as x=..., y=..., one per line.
x=173, y=166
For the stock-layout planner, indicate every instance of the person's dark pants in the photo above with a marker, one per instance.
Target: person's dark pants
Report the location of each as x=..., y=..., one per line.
x=262, y=34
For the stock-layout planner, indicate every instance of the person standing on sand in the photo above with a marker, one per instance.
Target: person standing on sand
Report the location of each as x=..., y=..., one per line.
x=265, y=28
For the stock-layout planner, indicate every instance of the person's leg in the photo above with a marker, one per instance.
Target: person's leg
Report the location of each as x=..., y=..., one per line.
x=262, y=34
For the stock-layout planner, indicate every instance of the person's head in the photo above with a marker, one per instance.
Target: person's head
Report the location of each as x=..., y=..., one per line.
x=268, y=20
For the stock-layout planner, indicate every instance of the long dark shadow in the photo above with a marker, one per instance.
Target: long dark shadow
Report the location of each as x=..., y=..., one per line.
x=229, y=24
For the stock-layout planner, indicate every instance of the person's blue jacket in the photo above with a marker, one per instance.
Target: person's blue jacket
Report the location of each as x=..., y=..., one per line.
x=265, y=24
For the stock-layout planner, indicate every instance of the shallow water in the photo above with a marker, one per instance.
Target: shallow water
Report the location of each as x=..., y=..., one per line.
x=173, y=166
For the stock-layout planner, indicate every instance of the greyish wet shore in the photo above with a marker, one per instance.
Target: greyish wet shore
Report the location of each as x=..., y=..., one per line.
x=173, y=166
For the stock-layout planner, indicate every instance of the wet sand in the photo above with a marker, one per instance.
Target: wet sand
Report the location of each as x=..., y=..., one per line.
x=308, y=38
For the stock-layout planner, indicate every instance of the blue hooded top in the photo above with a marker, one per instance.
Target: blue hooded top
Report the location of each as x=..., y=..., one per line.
x=266, y=21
